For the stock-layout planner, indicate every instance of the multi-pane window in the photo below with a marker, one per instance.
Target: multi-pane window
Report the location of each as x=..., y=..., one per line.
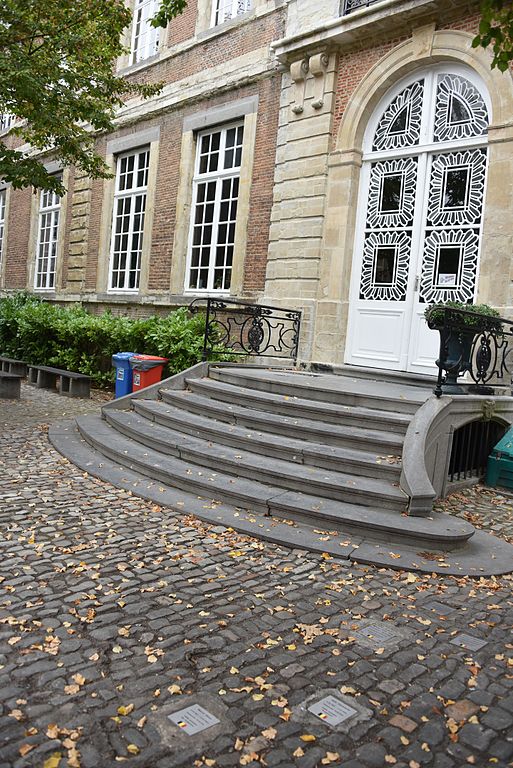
x=128, y=220
x=145, y=38
x=214, y=208
x=2, y=223
x=224, y=10
x=47, y=240
x=6, y=120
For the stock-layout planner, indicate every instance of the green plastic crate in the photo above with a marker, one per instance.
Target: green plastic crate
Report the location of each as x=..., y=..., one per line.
x=499, y=469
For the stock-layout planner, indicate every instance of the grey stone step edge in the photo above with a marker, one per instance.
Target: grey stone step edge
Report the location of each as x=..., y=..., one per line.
x=230, y=487
x=300, y=429
x=300, y=407
x=294, y=387
x=292, y=449
x=483, y=555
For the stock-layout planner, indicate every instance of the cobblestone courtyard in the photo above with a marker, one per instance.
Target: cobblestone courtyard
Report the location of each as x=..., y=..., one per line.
x=115, y=613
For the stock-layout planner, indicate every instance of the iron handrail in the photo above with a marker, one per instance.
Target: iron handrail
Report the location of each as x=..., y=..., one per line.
x=474, y=343
x=249, y=329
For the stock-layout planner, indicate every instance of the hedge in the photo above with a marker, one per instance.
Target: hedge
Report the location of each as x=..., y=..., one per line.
x=70, y=338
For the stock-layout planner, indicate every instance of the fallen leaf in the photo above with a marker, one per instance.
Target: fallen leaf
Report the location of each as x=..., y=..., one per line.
x=307, y=737
x=53, y=761
x=133, y=749
x=73, y=758
x=298, y=752
x=125, y=710
x=25, y=749
x=330, y=757
x=174, y=688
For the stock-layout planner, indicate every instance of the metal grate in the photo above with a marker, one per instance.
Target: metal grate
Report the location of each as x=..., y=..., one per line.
x=354, y=5
x=471, y=446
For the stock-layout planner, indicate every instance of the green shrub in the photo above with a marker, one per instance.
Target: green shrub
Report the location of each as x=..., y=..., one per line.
x=70, y=338
x=435, y=315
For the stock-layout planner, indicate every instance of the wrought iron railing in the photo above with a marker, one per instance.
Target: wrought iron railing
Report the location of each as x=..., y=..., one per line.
x=478, y=345
x=249, y=329
x=471, y=446
x=354, y=5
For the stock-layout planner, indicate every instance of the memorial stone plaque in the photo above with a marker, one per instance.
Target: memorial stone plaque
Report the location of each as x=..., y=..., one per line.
x=193, y=719
x=332, y=711
x=377, y=634
x=469, y=642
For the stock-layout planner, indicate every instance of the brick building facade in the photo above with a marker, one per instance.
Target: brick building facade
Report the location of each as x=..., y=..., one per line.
x=353, y=160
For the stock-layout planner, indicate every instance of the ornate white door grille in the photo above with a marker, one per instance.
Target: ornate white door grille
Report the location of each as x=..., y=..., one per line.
x=421, y=212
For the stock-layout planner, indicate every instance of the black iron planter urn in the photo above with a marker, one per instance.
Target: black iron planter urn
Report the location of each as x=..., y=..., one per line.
x=459, y=325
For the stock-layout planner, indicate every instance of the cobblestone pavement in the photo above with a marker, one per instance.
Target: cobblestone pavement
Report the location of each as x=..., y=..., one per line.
x=115, y=613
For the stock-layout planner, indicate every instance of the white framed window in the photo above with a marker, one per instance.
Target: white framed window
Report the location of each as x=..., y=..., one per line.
x=214, y=208
x=224, y=10
x=3, y=196
x=47, y=240
x=6, y=120
x=145, y=38
x=131, y=188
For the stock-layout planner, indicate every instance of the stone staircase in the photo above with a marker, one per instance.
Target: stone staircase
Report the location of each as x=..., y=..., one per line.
x=279, y=449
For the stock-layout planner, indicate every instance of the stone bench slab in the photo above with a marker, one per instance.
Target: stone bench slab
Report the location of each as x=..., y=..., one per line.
x=10, y=386
x=71, y=384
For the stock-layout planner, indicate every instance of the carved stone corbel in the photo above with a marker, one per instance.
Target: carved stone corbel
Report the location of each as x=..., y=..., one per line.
x=318, y=67
x=298, y=73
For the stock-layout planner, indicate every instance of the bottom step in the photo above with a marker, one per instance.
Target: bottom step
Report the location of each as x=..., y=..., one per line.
x=481, y=555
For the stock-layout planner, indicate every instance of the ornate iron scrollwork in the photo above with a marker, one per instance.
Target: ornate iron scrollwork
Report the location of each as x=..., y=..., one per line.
x=485, y=345
x=249, y=329
x=354, y=5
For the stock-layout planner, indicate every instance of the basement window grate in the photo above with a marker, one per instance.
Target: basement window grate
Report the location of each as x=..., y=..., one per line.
x=471, y=446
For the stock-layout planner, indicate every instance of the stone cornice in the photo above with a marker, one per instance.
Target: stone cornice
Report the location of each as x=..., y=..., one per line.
x=344, y=32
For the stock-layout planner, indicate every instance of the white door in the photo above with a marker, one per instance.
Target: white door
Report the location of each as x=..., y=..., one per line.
x=420, y=217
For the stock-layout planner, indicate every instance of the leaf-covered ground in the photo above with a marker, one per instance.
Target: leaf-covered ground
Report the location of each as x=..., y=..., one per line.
x=115, y=612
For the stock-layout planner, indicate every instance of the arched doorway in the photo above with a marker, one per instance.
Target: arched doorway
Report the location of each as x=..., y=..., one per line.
x=420, y=215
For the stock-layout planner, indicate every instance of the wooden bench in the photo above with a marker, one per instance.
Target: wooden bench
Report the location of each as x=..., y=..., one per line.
x=70, y=383
x=8, y=365
x=10, y=386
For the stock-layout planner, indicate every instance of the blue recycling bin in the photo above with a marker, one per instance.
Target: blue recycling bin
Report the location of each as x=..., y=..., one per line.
x=121, y=362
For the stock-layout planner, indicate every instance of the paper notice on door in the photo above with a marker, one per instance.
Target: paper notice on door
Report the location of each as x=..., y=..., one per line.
x=446, y=279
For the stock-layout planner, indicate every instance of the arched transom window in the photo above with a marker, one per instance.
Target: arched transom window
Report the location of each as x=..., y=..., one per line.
x=423, y=185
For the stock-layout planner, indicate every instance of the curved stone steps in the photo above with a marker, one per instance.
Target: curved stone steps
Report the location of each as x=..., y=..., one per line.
x=388, y=443
x=227, y=469
x=332, y=457
x=445, y=530
x=375, y=524
x=381, y=395
x=481, y=555
x=301, y=407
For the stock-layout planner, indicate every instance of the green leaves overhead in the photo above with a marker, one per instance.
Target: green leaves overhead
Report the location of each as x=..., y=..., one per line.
x=57, y=74
x=496, y=30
